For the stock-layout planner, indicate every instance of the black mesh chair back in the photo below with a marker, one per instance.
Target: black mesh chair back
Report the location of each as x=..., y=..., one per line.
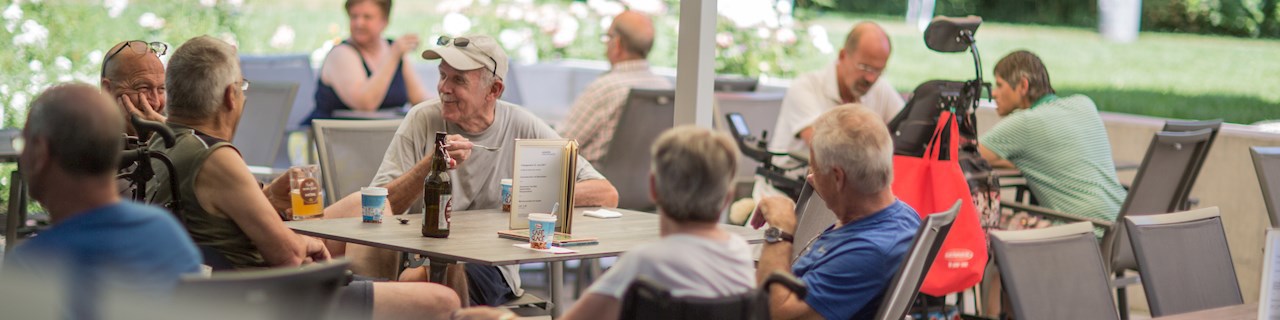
x=1054, y=273
x=1159, y=187
x=1186, y=264
x=645, y=115
x=1187, y=126
x=901, y=293
x=812, y=218
x=350, y=152
x=261, y=130
x=1266, y=163
x=646, y=299
x=305, y=292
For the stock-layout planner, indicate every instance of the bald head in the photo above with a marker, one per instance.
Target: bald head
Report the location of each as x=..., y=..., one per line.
x=78, y=126
x=134, y=73
x=867, y=36
x=634, y=31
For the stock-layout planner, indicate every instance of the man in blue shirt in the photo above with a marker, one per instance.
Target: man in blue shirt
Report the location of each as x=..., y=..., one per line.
x=847, y=267
x=98, y=245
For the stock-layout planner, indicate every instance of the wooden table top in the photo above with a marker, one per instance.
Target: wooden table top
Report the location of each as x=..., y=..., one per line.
x=474, y=237
x=1248, y=311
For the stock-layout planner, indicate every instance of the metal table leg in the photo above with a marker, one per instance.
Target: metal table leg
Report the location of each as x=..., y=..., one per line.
x=557, y=288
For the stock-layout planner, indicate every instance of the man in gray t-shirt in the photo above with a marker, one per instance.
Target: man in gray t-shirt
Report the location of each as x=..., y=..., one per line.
x=471, y=80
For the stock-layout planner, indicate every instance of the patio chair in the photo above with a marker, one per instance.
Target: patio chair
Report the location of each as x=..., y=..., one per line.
x=901, y=293
x=735, y=84
x=1186, y=126
x=1157, y=188
x=261, y=132
x=350, y=152
x=1266, y=163
x=645, y=115
x=647, y=299
x=1054, y=273
x=295, y=68
x=1185, y=261
x=305, y=292
x=812, y=218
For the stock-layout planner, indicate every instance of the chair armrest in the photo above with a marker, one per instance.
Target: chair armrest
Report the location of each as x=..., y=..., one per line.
x=1016, y=206
x=787, y=280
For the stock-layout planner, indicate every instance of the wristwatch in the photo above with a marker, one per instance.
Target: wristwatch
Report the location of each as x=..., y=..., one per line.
x=775, y=235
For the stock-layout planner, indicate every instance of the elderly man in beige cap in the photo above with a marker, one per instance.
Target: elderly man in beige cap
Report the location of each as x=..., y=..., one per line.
x=472, y=69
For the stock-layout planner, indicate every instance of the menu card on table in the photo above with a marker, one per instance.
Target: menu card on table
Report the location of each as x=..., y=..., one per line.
x=545, y=173
x=1269, y=301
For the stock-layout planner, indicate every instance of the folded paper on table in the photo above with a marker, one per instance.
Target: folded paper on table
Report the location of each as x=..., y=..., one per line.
x=602, y=213
x=555, y=250
x=561, y=239
x=545, y=173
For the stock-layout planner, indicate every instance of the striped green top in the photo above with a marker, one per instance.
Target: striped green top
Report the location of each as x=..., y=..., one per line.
x=1061, y=147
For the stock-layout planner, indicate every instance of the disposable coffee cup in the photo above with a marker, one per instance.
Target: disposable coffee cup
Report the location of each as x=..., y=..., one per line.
x=506, y=195
x=371, y=201
x=542, y=230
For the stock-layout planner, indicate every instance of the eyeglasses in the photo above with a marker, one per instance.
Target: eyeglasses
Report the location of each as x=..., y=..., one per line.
x=462, y=43
x=139, y=47
x=869, y=69
x=244, y=84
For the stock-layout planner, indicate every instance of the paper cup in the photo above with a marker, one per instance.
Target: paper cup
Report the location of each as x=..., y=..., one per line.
x=371, y=201
x=542, y=229
x=506, y=195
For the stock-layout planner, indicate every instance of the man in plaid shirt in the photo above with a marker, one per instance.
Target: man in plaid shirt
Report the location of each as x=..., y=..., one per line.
x=595, y=113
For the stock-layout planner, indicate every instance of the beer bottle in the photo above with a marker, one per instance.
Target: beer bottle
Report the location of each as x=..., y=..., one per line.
x=437, y=192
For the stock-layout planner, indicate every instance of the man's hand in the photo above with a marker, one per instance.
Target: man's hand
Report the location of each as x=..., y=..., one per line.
x=278, y=192
x=780, y=212
x=482, y=313
x=405, y=44
x=316, y=250
x=459, y=149
x=142, y=110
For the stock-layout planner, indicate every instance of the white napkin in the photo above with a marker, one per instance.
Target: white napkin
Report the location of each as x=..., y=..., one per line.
x=603, y=213
x=555, y=250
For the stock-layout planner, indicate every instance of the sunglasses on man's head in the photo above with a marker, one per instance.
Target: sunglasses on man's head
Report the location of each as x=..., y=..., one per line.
x=139, y=47
x=462, y=43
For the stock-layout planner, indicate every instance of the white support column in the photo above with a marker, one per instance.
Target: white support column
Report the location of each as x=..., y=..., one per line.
x=695, y=63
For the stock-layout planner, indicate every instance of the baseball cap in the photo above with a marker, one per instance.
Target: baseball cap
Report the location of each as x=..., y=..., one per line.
x=470, y=52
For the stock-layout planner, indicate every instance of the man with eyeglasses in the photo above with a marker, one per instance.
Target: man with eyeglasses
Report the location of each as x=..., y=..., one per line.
x=594, y=115
x=133, y=76
x=472, y=69
x=223, y=207
x=853, y=78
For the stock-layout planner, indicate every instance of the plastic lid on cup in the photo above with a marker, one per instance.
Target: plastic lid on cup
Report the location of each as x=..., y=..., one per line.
x=506, y=182
x=373, y=191
x=544, y=217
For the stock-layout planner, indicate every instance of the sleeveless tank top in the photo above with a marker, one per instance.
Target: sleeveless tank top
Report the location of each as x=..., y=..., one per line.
x=221, y=234
x=327, y=99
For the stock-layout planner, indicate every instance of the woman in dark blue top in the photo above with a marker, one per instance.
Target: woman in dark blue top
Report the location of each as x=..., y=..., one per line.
x=367, y=72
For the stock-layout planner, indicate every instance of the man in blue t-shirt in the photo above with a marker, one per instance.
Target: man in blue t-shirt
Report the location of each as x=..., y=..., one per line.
x=98, y=245
x=847, y=267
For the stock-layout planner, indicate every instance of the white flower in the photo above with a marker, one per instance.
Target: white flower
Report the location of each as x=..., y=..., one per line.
x=317, y=56
x=151, y=21
x=566, y=32
x=208, y=3
x=456, y=24
x=19, y=100
x=786, y=21
x=548, y=18
x=62, y=63
x=818, y=35
x=95, y=57
x=606, y=8
x=229, y=38
x=528, y=53
x=652, y=7
x=511, y=38
x=115, y=7
x=33, y=34
x=4, y=90
x=35, y=66
x=283, y=38
x=784, y=7
x=747, y=13
x=485, y=2
x=452, y=6
x=763, y=33
x=236, y=4
x=763, y=66
x=13, y=12
x=605, y=22
x=579, y=10
x=724, y=39
x=786, y=36
x=515, y=13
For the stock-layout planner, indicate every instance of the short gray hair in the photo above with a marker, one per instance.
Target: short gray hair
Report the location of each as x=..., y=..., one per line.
x=81, y=127
x=693, y=172
x=197, y=76
x=856, y=140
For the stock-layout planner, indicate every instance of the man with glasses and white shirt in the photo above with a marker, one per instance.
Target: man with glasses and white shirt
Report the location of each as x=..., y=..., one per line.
x=472, y=69
x=853, y=78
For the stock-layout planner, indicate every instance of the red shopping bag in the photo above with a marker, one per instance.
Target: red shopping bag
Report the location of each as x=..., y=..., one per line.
x=930, y=185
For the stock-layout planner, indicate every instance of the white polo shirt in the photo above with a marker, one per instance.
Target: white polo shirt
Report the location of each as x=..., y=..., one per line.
x=812, y=94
